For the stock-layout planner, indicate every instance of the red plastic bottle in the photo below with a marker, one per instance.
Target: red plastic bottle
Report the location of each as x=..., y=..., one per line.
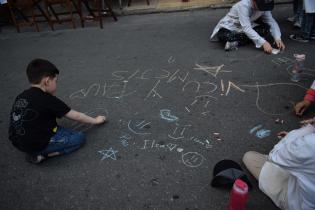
x=238, y=195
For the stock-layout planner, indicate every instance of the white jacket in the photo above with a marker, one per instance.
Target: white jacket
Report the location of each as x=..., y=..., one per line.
x=241, y=18
x=288, y=177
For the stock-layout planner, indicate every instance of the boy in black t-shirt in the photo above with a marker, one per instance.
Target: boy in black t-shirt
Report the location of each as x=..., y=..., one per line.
x=33, y=127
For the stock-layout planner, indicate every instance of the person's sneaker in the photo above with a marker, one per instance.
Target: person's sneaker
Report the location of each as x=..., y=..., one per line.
x=298, y=38
x=229, y=46
x=35, y=159
x=297, y=24
x=291, y=19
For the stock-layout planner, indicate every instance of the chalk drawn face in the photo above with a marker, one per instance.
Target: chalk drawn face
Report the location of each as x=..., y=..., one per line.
x=51, y=84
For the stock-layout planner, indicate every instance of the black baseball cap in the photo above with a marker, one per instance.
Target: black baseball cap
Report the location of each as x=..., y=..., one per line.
x=265, y=5
x=225, y=172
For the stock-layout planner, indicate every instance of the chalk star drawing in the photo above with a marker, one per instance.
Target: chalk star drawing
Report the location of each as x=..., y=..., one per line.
x=166, y=115
x=213, y=70
x=108, y=153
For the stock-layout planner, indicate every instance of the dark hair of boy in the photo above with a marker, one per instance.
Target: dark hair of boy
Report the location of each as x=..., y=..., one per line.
x=38, y=68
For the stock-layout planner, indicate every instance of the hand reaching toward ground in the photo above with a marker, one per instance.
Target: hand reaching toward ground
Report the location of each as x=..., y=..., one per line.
x=300, y=107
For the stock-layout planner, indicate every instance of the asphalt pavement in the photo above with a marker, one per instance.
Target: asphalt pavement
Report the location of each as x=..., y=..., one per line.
x=176, y=104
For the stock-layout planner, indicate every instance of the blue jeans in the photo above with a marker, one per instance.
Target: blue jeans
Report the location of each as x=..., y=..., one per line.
x=308, y=25
x=64, y=141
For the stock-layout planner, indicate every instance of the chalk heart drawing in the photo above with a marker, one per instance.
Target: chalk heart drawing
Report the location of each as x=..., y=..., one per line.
x=192, y=159
x=166, y=115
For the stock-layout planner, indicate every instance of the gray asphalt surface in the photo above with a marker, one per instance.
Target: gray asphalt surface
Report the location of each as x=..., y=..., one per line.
x=165, y=90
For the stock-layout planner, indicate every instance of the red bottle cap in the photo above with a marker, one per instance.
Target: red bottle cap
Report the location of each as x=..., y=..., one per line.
x=241, y=185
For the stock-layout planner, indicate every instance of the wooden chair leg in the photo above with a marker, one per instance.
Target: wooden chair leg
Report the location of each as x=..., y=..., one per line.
x=129, y=3
x=69, y=5
x=14, y=19
x=80, y=13
x=34, y=20
x=99, y=9
x=54, y=13
x=148, y=2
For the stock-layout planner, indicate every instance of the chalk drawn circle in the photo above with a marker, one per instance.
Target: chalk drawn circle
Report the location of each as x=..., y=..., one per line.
x=192, y=159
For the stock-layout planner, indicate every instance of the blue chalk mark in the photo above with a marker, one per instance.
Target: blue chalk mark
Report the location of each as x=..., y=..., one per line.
x=262, y=133
x=108, y=153
x=166, y=115
x=254, y=129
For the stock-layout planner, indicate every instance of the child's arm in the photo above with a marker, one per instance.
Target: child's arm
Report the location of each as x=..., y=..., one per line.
x=308, y=99
x=81, y=117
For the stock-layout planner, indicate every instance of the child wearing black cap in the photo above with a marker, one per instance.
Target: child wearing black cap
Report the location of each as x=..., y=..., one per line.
x=240, y=26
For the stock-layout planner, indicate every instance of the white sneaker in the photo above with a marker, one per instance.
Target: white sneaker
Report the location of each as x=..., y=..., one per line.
x=297, y=24
x=291, y=19
x=229, y=46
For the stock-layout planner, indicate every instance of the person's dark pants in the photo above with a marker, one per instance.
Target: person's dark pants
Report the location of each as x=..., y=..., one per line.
x=308, y=25
x=64, y=141
x=225, y=35
x=298, y=9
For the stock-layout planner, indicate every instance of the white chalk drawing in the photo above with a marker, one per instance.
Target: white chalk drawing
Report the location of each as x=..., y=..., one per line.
x=197, y=86
x=305, y=71
x=178, y=132
x=282, y=60
x=115, y=90
x=124, y=139
x=180, y=149
x=205, y=142
x=171, y=59
x=137, y=128
x=255, y=129
x=231, y=84
x=192, y=159
x=108, y=153
x=151, y=144
x=176, y=75
x=145, y=75
x=260, y=132
x=21, y=114
x=153, y=92
x=212, y=70
x=166, y=115
x=82, y=93
x=257, y=86
x=82, y=127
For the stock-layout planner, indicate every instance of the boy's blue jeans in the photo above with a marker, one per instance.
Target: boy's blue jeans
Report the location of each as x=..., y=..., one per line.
x=64, y=141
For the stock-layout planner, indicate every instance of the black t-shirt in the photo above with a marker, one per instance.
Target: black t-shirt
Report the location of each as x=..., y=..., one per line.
x=33, y=119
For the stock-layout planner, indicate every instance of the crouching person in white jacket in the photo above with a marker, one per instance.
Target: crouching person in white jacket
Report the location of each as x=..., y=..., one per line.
x=287, y=174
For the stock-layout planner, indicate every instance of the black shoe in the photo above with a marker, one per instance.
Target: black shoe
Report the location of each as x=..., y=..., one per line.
x=299, y=38
x=35, y=159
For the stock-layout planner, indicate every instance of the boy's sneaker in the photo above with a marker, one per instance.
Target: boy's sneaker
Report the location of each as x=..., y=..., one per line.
x=291, y=19
x=229, y=46
x=297, y=24
x=35, y=159
x=299, y=38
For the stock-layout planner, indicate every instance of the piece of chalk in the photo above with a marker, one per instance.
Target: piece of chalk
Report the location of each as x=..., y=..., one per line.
x=216, y=134
x=275, y=51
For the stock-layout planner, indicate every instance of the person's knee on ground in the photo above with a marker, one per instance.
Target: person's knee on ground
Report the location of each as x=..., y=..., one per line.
x=254, y=162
